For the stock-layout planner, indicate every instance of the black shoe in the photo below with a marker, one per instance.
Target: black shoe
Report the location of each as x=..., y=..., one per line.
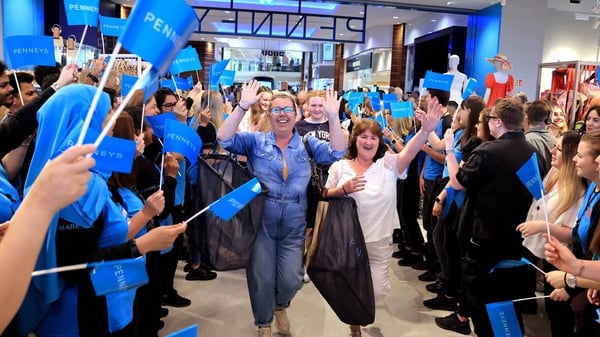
x=428, y=276
x=187, y=267
x=441, y=302
x=164, y=312
x=421, y=265
x=174, y=300
x=452, y=323
x=437, y=287
x=410, y=259
x=200, y=274
x=400, y=254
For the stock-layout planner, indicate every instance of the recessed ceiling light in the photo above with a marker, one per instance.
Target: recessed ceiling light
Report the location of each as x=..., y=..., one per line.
x=450, y=3
x=341, y=34
x=227, y=12
x=361, y=12
x=433, y=20
x=395, y=17
x=352, y=26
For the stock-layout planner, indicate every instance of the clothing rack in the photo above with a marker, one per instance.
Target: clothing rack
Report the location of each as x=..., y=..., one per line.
x=579, y=67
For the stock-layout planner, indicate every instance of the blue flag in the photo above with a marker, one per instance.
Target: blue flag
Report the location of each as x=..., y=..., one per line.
x=227, y=78
x=113, y=154
x=112, y=26
x=190, y=81
x=186, y=60
x=469, y=88
x=381, y=120
x=356, y=98
x=118, y=275
x=182, y=83
x=529, y=174
x=504, y=319
x=151, y=87
x=82, y=12
x=182, y=139
x=375, y=100
x=402, y=109
x=29, y=50
x=127, y=83
x=166, y=83
x=158, y=123
x=190, y=331
x=438, y=81
x=216, y=70
x=166, y=26
x=389, y=98
x=231, y=203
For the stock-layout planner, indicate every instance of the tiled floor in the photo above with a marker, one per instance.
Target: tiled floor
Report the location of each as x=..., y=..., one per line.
x=222, y=308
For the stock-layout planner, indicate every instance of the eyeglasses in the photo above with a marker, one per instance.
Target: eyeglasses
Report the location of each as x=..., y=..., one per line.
x=169, y=105
x=287, y=110
x=488, y=117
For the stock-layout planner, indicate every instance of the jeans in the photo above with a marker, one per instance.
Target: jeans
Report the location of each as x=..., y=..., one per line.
x=275, y=271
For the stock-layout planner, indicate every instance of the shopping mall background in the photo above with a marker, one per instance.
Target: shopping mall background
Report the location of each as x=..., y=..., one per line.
x=529, y=32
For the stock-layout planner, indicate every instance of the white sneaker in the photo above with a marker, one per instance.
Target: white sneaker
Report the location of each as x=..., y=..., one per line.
x=282, y=323
x=264, y=331
x=306, y=278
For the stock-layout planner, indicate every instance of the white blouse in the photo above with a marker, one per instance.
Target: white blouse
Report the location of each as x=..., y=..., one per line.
x=376, y=204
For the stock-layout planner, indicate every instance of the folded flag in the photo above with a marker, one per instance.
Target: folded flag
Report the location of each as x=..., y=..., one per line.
x=231, y=203
x=504, y=319
x=164, y=25
x=29, y=50
x=439, y=81
x=158, y=123
x=469, y=88
x=82, y=12
x=529, y=174
x=402, y=109
x=110, y=26
x=118, y=275
x=182, y=139
x=190, y=331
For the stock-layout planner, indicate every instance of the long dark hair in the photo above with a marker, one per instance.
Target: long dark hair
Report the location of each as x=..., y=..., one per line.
x=476, y=104
x=124, y=129
x=362, y=126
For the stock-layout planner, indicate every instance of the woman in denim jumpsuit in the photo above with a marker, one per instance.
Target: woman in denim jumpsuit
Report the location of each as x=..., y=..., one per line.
x=280, y=162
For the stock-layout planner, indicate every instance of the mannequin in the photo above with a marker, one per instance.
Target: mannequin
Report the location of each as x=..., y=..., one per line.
x=460, y=79
x=58, y=40
x=499, y=84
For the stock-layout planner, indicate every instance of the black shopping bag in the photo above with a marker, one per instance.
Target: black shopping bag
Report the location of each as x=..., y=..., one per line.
x=340, y=265
x=227, y=244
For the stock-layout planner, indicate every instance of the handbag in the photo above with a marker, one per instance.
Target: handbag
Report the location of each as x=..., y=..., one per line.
x=228, y=244
x=340, y=269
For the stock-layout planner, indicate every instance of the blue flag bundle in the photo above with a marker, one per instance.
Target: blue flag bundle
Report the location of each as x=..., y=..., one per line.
x=186, y=60
x=82, y=12
x=231, y=203
x=216, y=70
x=190, y=331
x=166, y=26
x=504, y=319
x=182, y=139
x=529, y=174
x=469, y=88
x=439, y=81
x=388, y=99
x=118, y=275
x=29, y=50
x=127, y=83
x=227, y=77
x=111, y=26
x=158, y=123
x=402, y=109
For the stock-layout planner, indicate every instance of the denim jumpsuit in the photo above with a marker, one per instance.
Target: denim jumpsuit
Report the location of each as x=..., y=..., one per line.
x=275, y=271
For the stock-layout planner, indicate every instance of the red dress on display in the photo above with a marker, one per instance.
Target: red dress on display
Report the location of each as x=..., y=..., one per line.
x=498, y=90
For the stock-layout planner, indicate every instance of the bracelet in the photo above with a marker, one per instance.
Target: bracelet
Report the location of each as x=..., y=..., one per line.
x=439, y=201
x=565, y=278
x=243, y=109
x=449, y=150
x=343, y=189
x=581, y=268
x=92, y=77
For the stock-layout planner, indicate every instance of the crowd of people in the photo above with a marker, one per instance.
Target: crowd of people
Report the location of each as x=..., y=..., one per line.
x=449, y=170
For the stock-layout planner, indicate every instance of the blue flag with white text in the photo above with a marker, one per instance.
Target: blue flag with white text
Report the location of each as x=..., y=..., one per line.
x=529, y=174
x=231, y=203
x=157, y=30
x=113, y=154
x=190, y=331
x=375, y=100
x=82, y=12
x=158, y=123
x=167, y=83
x=29, y=50
x=182, y=83
x=439, y=81
x=469, y=88
x=118, y=275
x=110, y=26
x=182, y=139
x=227, y=78
x=504, y=319
x=388, y=99
x=186, y=60
x=127, y=83
x=402, y=110
x=216, y=70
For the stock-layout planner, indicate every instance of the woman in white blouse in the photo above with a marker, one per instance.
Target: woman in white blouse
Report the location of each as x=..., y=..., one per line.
x=369, y=174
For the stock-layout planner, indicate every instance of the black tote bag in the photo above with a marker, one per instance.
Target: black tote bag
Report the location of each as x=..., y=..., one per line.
x=340, y=265
x=227, y=244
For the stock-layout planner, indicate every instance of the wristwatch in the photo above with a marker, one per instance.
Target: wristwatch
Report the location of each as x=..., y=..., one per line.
x=393, y=141
x=439, y=201
x=570, y=280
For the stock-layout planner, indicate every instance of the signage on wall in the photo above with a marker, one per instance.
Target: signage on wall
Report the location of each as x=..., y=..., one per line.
x=359, y=62
x=272, y=52
x=327, y=52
